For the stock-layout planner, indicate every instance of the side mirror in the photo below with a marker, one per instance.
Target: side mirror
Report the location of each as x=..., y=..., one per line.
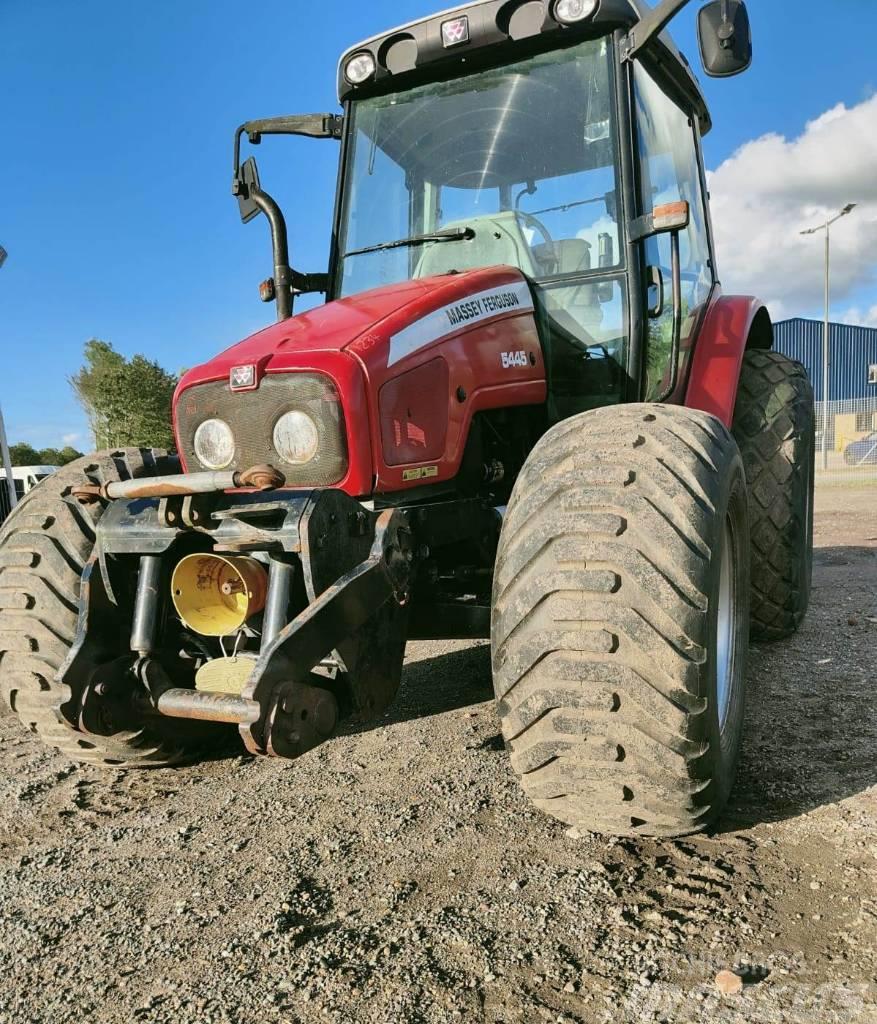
x=725, y=38
x=248, y=181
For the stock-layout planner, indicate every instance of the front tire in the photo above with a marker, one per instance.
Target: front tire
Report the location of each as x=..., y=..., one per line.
x=44, y=545
x=620, y=621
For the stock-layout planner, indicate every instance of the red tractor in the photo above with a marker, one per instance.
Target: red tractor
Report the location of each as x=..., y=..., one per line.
x=526, y=412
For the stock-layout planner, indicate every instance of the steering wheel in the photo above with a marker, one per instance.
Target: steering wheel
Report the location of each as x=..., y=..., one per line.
x=551, y=264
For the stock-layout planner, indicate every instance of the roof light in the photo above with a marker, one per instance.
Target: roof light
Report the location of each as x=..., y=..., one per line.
x=568, y=12
x=359, y=68
x=455, y=31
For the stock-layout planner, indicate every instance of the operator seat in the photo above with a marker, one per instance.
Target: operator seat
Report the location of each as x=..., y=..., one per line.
x=498, y=240
x=570, y=254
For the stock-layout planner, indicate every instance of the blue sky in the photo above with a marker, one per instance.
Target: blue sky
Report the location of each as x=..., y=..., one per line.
x=119, y=117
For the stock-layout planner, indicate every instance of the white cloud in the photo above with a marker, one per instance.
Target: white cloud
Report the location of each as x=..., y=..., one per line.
x=773, y=187
x=859, y=317
x=71, y=438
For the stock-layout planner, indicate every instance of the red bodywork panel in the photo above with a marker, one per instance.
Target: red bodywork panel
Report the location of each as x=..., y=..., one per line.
x=470, y=338
x=718, y=354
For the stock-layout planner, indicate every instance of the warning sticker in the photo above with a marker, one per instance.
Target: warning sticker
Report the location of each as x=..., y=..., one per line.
x=421, y=473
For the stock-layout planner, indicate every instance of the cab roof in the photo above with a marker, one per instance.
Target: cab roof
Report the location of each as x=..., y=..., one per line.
x=499, y=31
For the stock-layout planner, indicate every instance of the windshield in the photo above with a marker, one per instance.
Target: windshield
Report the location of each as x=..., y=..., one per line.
x=520, y=159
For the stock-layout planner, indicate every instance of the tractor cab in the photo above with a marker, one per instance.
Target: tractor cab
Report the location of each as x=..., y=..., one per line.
x=560, y=138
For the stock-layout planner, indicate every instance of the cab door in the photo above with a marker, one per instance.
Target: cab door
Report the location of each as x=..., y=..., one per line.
x=669, y=169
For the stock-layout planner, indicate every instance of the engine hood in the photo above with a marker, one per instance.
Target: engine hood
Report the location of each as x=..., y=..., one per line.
x=474, y=332
x=365, y=324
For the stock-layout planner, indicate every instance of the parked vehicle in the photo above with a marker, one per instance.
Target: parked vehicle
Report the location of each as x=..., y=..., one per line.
x=526, y=412
x=25, y=479
x=862, y=452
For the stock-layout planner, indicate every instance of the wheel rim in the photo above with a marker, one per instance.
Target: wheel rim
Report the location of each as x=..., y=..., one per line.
x=726, y=620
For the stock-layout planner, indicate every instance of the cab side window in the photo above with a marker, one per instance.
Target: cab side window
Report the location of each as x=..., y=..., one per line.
x=669, y=171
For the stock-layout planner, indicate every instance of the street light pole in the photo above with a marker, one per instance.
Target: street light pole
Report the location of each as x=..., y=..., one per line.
x=4, y=446
x=825, y=333
x=826, y=348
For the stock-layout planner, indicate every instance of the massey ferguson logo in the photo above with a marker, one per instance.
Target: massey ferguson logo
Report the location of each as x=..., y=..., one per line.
x=242, y=377
x=455, y=32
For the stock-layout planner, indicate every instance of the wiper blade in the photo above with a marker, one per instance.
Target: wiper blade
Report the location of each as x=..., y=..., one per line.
x=452, y=235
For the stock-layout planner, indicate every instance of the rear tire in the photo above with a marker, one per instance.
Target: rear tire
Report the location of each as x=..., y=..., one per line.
x=611, y=612
x=44, y=545
x=775, y=429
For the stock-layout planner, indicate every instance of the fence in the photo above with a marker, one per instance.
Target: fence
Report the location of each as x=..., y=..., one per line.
x=846, y=442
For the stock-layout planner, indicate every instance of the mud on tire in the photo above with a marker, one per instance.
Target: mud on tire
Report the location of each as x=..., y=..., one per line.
x=607, y=620
x=774, y=426
x=44, y=545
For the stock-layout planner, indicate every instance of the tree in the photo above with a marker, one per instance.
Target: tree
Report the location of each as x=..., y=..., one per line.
x=101, y=363
x=50, y=457
x=24, y=455
x=67, y=454
x=128, y=402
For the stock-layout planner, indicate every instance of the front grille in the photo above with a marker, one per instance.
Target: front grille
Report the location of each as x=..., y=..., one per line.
x=252, y=415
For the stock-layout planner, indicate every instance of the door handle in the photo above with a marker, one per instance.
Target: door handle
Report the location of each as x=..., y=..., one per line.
x=655, y=279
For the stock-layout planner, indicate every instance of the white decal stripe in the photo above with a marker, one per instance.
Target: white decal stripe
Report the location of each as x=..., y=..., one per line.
x=468, y=310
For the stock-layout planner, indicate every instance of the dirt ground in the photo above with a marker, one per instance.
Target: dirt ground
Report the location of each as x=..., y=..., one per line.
x=397, y=875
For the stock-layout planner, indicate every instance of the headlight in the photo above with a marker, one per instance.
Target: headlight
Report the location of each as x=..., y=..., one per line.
x=214, y=444
x=359, y=68
x=571, y=11
x=296, y=438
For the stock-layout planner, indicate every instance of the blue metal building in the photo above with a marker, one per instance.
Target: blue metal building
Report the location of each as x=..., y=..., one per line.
x=852, y=356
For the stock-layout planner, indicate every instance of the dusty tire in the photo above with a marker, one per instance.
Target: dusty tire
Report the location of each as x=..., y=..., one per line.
x=44, y=545
x=606, y=620
x=774, y=426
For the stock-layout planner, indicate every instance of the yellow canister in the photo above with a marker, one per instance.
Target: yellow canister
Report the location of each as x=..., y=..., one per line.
x=214, y=595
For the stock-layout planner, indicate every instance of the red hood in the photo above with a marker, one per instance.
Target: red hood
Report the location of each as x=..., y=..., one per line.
x=337, y=325
x=480, y=319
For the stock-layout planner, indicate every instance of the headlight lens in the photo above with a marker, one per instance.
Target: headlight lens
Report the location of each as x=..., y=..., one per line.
x=296, y=438
x=570, y=11
x=214, y=444
x=359, y=68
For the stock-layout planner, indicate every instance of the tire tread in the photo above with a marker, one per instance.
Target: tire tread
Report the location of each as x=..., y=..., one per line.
x=773, y=427
x=44, y=545
x=596, y=634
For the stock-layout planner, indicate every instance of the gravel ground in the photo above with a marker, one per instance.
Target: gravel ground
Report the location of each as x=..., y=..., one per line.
x=397, y=874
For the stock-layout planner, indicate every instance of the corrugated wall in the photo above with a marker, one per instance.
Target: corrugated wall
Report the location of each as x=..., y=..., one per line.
x=851, y=351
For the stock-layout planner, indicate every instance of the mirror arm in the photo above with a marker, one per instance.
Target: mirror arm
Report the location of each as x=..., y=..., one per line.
x=307, y=284
x=314, y=126
x=283, y=276
x=651, y=25
x=286, y=282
